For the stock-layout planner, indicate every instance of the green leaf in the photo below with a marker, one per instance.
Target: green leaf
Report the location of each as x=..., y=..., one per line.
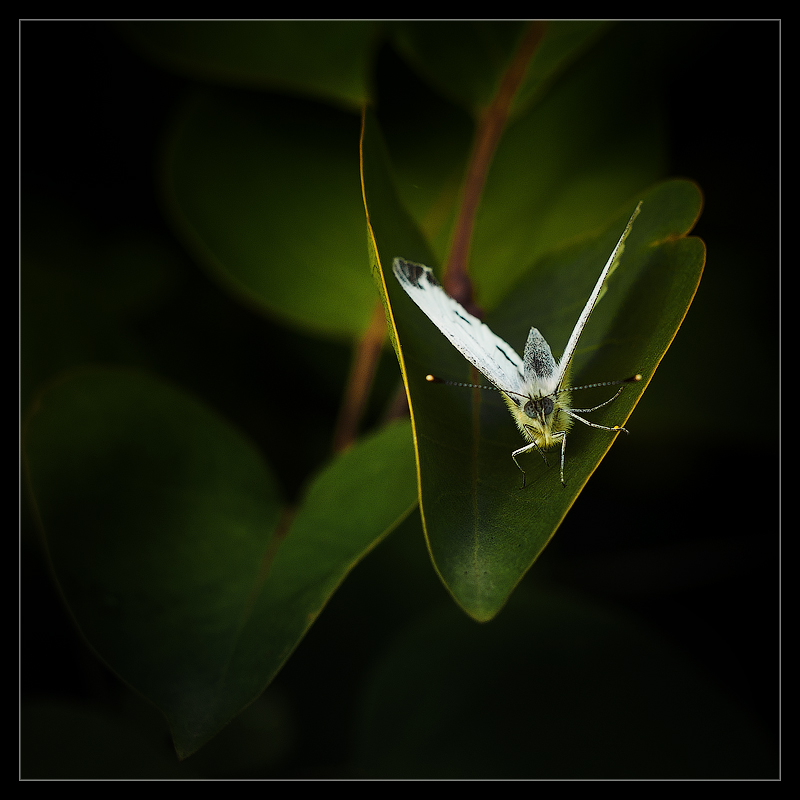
x=324, y=59
x=168, y=541
x=265, y=191
x=483, y=532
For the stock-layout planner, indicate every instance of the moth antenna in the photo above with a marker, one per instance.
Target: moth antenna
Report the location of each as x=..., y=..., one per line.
x=633, y=379
x=434, y=379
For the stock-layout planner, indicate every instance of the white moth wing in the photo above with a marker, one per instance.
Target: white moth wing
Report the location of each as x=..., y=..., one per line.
x=486, y=351
x=569, y=350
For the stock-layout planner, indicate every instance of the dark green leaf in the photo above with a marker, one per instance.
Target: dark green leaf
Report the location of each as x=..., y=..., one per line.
x=329, y=60
x=559, y=687
x=465, y=61
x=167, y=538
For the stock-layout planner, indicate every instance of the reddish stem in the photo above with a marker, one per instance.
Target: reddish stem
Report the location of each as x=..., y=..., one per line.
x=491, y=124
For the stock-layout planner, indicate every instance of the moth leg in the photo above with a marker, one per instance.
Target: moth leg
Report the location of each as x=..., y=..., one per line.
x=527, y=449
x=563, y=452
x=615, y=429
x=587, y=410
x=519, y=452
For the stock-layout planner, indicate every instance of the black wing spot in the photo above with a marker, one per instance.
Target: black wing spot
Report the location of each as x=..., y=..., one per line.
x=413, y=272
x=510, y=361
x=431, y=278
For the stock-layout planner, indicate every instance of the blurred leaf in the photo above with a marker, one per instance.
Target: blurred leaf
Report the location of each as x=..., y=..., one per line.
x=557, y=688
x=585, y=134
x=82, y=291
x=324, y=59
x=563, y=43
x=265, y=191
x=164, y=531
x=562, y=167
x=483, y=532
x=465, y=60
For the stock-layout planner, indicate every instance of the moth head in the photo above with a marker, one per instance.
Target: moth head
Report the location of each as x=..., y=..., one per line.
x=540, y=417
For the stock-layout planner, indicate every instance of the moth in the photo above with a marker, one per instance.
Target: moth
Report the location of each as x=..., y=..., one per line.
x=535, y=386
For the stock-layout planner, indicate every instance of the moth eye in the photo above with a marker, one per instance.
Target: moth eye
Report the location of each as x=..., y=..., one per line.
x=542, y=406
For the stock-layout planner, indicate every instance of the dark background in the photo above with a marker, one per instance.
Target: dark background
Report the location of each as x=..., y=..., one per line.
x=93, y=115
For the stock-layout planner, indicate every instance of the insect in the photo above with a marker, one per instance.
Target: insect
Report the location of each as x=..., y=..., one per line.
x=534, y=387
